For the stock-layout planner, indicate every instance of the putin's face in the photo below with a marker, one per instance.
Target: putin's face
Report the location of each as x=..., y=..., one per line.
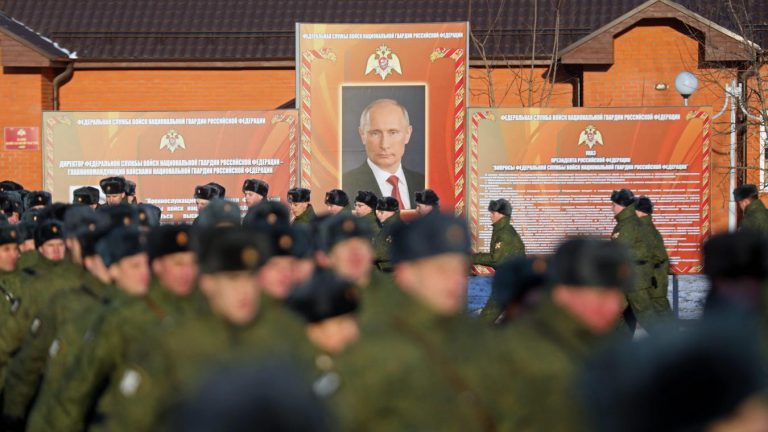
x=385, y=135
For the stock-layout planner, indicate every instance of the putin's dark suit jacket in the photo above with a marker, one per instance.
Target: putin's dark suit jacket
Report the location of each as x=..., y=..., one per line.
x=362, y=179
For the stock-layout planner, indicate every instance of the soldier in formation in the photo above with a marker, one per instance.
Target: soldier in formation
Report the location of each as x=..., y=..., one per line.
x=111, y=321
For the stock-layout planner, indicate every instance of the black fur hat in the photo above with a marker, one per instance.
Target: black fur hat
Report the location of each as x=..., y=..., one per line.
x=267, y=214
x=644, y=204
x=37, y=198
x=299, y=195
x=427, y=197
x=745, y=191
x=255, y=185
x=112, y=185
x=149, y=214
x=8, y=186
x=336, y=197
x=593, y=263
x=623, y=197
x=87, y=195
x=426, y=237
x=388, y=204
x=368, y=198
x=48, y=230
x=324, y=296
x=207, y=192
x=501, y=206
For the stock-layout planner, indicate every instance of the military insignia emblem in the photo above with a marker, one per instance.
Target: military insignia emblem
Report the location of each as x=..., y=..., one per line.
x=182, y=239
x=271, y=218
x=615, y=235
x=142, y=216
x=130, y=382
x=388, y=239
x=53, y=350
x=249, y=256
x=35, y=326
x=126, y=220
x=12, y=234
x=591, y=137
x=79, y=199
x=383, y=61
x=498, y=245
x=172, y=141
x=285, y=242
x=348, y=225
x=54, y=229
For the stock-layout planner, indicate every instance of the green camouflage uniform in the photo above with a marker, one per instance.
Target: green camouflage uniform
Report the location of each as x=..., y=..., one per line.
x=307, y=217
x=169, y=366
x=373, y=224
x=425, y=375
x=755, y=217
x=64, y=322
x=92, y=381
x=660, y=261
x=382, y=243
x=537, y=363
x=38, y=285
x=629, y=232
x=505, y=244
x=28, y=259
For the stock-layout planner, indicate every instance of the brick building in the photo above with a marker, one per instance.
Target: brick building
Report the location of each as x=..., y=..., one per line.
x=239, y=54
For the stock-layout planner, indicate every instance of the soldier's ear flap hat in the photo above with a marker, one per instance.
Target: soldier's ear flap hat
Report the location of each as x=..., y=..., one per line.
x=112, y=185
x=168, y=239
x=121, y=215
x=130, y=188
x=219, y=212
x=233, y=249
x=501, y=206
x=338, y=228
x=515, y=278
x=206, y=192
x=10, y=234
x=37, y=198
x=592, y=263
x=10, y=186
x=388, y=204
x=644, y=204
x=87, y=195
x=623, y=197
x=257, y=186
x=48, y=230
x=267, y=214
x=745, y=191
x=426, y=237
x=367, y=198
x=736, y=255
x=324, y=296
x=221, y=191
x=11, y=202
x=336, y=197
x=148, y=214
x=298, y=195
x=120, y=243
x=427, y=197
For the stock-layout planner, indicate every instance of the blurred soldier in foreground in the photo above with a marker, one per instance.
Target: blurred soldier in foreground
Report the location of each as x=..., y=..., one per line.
x=711, y=378
x=425, y=349
x=519, y=287
x=543, y=356
x=755, y=214
x=254, y=191
x=659, y=258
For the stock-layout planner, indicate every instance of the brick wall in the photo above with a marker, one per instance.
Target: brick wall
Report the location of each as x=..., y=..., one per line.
x=24, y=93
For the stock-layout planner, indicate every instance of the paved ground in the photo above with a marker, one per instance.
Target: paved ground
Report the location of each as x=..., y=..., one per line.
x=692, y=291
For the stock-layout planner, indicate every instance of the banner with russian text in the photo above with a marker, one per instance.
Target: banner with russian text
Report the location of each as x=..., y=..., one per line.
x=558, y=168
x=167, y=154
x=349, y=78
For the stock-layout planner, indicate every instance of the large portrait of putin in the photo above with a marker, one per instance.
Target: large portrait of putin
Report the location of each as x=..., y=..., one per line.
x=384, y=141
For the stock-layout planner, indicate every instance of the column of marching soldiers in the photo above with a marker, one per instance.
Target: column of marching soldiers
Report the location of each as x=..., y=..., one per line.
x=356, y=320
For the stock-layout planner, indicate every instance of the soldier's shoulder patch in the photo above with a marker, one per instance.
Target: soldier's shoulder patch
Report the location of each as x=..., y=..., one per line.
x=615, y=235
x=497, y=245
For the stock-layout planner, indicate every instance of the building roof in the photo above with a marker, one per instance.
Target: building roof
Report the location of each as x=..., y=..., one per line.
x=185, y=30
x=20, y=33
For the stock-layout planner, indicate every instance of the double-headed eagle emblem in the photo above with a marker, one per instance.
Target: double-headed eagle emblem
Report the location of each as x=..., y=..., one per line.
x=172, y=141
x=590, y=136
x=383, y=62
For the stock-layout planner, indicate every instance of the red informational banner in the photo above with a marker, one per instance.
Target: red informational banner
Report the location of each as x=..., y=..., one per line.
x=167, y=154
x=21, y=138
x=383, y=100
x=558, y=168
